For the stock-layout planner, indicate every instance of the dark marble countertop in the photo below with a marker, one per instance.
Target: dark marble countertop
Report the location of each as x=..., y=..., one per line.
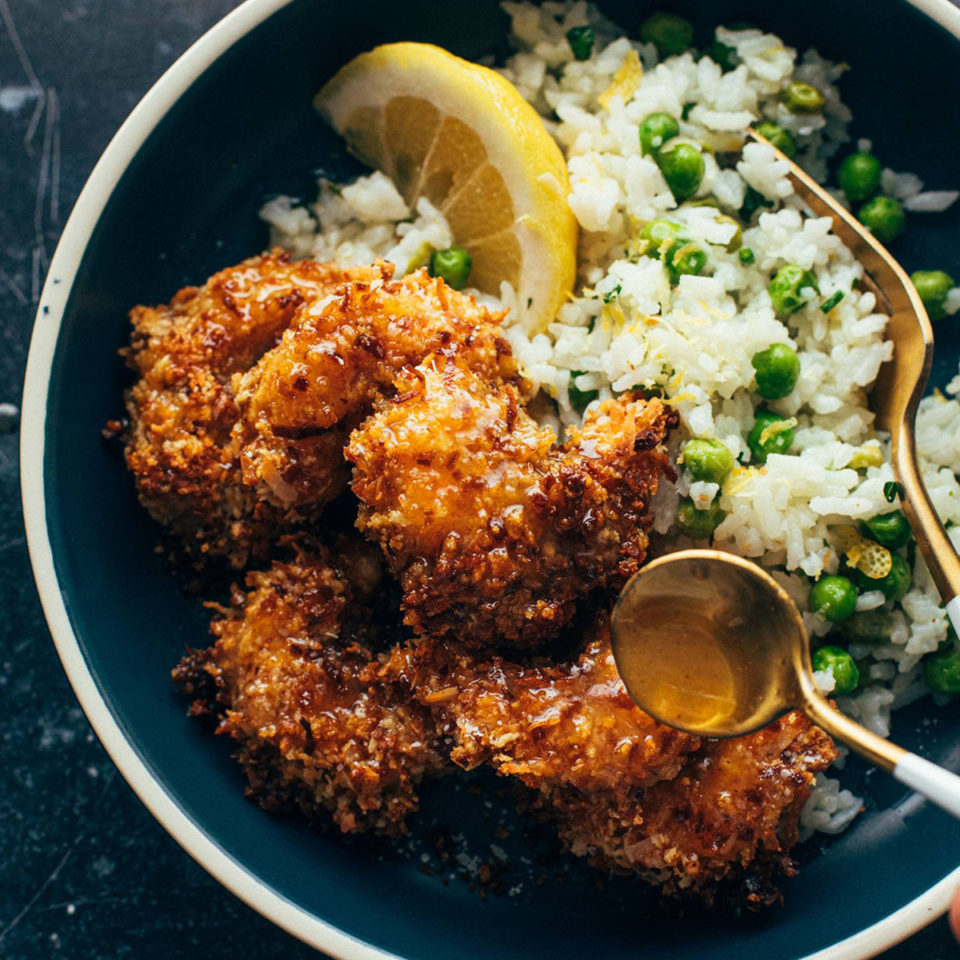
x=85, y=871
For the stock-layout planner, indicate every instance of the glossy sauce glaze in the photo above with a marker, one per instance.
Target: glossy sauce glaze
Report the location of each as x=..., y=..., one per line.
x=699, y=654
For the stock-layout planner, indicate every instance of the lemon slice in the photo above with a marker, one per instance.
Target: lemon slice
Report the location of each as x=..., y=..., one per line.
x=463, y=137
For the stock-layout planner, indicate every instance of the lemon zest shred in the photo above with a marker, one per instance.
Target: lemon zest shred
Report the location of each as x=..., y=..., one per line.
x=870, y=558
x=625, y=80
x=868, y=455
x=777, y=427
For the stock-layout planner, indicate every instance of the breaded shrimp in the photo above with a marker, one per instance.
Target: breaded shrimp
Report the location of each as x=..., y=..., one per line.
x=294, y=680
x=707, y=818
x=338, y=357
x=493, y=530
x=181, y=409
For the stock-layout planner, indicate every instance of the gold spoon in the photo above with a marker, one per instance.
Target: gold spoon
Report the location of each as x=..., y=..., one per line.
x=902, y=379
x=710, y=643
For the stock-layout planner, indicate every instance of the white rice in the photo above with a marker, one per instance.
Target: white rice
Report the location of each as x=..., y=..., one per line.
x=628, y=328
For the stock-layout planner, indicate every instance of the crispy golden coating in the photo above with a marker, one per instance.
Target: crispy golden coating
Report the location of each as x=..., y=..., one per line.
x=551, y=725
x=629, y=793
x=721, y=830
x=249, y=389
x=182, y=410
x=493, y=530
x=293, y=678
x=338, y=357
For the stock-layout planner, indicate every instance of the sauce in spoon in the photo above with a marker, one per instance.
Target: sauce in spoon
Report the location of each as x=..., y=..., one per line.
x=710, y=643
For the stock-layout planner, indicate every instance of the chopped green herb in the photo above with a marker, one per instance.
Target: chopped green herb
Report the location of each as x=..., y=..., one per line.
x=753, y=200
x=687, y=107
x=832, y=301
x=612, y=295
x=581, y=42
x=721, y=54
x=891, y=490
x=580, y=398
x=746, y=255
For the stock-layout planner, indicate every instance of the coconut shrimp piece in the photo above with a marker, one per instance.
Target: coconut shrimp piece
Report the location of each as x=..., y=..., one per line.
x=181, y=409
x=720, y=831
x=338, y=357
x=551, y=725
x=704, y=818
x=493, y=530
x=294, y=681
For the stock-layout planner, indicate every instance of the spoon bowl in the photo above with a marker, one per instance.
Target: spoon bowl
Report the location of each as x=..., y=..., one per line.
x=710, y=643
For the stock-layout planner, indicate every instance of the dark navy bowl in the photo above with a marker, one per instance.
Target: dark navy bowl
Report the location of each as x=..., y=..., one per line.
x=174, y=198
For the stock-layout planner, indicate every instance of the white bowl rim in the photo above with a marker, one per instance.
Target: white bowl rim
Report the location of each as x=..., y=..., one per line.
x=56, y=292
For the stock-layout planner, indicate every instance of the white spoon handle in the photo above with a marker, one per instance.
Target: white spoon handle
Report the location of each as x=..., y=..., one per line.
x=936, y=784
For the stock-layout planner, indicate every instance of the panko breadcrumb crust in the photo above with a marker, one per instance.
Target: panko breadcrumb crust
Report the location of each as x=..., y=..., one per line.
x=240, y=433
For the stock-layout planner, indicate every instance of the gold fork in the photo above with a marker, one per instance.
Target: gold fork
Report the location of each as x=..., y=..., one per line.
x=902, y=379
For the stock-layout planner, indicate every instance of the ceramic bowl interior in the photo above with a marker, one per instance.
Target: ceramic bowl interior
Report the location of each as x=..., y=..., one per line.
x=185, y=206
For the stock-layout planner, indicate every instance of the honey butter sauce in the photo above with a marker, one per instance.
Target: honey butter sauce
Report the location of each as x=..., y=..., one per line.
x=698, y=653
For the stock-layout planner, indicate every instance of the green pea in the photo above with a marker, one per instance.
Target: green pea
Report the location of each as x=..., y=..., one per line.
x=669, y=33
x=682, y=167
x=787, y=285
x=746, y=255
x=698, y=524
x=894, y=585
x=941, y=670
x=883, y=217
x=708, y=460
x=687, y=258
x=655, y=131
x=452, y=265
x=753, y=200
x=778, y=369
x=933, y=287
x=859, y=176
x=662, y=236
x=802, y=98
x=834, y=598
x=579, y=399
x=867, y=626
x=890, y=530
x=779, y=442
x=782, y=139
x=581, y=42
x=841, y=666
x=721, y=54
